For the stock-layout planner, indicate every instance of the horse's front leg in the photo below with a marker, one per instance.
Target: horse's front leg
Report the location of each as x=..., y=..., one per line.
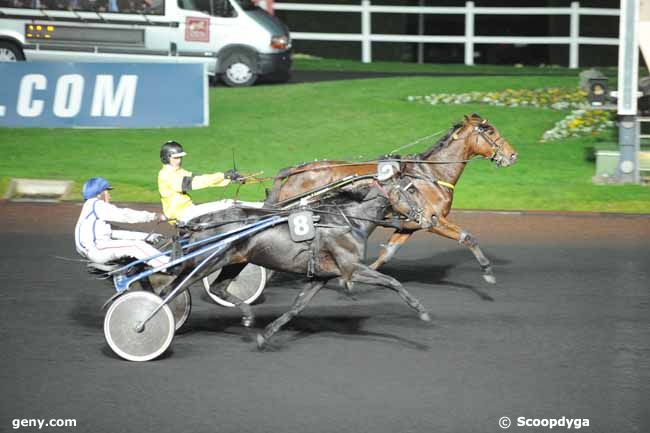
x=388, y=251
x=300, y=302
x=452, y=231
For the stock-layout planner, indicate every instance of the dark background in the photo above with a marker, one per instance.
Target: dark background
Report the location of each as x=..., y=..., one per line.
x=485, y=25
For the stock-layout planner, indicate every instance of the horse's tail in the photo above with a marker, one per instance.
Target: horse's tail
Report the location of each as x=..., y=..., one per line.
x=273, y=194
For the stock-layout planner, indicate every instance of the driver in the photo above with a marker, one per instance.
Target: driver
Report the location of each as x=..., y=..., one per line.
x=97, y=241
x=175, y=183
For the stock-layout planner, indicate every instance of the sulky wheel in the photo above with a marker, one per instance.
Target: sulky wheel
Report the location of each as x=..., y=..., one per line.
x=121, y=327
x=181, y=305
x=248, y=285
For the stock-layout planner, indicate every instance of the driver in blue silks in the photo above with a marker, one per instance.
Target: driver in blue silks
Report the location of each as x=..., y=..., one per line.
x=97, y=241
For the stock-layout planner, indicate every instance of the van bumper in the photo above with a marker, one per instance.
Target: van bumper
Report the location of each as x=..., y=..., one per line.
x=274, y=63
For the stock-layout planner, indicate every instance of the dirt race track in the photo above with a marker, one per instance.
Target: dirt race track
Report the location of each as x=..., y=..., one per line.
x=565, y=332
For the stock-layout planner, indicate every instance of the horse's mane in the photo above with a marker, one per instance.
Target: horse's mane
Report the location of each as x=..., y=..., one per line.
x=442, y=142
x=446, y=139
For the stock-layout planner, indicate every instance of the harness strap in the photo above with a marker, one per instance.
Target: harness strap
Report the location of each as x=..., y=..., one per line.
x=381, y=188
x=451, y=186
x=307, y=195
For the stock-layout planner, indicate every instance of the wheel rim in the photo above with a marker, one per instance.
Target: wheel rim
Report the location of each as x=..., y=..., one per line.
x=120, y=327
x=6, y=55
x=248, y=285
x=239, y=72
x=181, y=307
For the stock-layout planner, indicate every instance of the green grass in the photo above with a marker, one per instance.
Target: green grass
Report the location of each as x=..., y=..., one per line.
x=316, y=64
x=271, y=127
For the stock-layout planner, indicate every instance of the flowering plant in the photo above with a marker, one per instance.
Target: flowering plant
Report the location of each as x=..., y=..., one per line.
x=581, y=121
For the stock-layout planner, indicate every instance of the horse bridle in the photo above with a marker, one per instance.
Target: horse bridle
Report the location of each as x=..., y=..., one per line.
x=415, y=212
x=494, y=144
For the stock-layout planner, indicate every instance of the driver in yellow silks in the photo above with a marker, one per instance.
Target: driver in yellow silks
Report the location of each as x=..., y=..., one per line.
x=174, y=184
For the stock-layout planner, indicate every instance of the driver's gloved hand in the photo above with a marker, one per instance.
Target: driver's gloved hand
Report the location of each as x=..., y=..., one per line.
x=233, y=175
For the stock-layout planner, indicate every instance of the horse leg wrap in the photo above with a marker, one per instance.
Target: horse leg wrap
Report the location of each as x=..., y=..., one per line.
x=389, y=251
x=467, y=239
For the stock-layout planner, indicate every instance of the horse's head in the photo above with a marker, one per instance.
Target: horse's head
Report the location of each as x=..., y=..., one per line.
x=408, y=199
x=485, y=140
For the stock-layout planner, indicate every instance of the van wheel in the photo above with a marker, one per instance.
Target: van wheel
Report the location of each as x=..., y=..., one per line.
x=239, y=71
x=10, y=52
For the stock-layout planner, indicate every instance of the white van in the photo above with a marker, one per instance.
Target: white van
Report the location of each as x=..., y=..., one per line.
x=237, y=40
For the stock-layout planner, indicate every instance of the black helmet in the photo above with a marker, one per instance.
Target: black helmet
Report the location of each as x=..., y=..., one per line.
x=171, y=149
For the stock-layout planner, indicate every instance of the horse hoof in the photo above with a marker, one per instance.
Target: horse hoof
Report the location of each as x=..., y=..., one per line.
x=247, y=321
x=425, y=317
x=490, y=278
x=261, y=342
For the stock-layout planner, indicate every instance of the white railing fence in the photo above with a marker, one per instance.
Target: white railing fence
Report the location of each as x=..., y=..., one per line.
x=366, y=37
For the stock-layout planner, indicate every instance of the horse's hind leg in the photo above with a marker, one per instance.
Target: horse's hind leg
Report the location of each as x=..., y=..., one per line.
x=452, y=231
x=300, y=302
x=363, y=274
x=248, y=317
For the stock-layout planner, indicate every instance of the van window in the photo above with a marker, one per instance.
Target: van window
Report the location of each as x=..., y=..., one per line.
x=247, y=5
x=150, y=7
x=216, y=8
x=223, y=8
x=187, y=5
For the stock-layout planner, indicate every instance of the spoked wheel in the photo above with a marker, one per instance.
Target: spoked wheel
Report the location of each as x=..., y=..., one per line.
x=123, y=319
x=248, y=285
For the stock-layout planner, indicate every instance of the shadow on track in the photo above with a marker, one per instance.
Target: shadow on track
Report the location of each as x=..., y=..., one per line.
x=346, y=326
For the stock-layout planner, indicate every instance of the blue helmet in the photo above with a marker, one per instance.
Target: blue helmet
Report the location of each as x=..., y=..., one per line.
x=95, y=186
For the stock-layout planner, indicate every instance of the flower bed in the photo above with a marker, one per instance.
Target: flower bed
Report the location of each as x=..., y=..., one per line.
x=555, y=98
x=581, y=121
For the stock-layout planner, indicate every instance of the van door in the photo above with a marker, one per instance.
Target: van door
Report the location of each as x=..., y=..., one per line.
x=149, y=18
x=206, y=26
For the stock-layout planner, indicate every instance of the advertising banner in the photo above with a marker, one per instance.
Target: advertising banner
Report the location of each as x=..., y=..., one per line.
x=103, y=95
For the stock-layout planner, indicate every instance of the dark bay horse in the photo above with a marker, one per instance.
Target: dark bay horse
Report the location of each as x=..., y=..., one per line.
x=442, y=165
x=346, y=220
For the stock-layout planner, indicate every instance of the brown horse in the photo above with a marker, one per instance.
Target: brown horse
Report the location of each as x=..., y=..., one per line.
x=442, y=165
